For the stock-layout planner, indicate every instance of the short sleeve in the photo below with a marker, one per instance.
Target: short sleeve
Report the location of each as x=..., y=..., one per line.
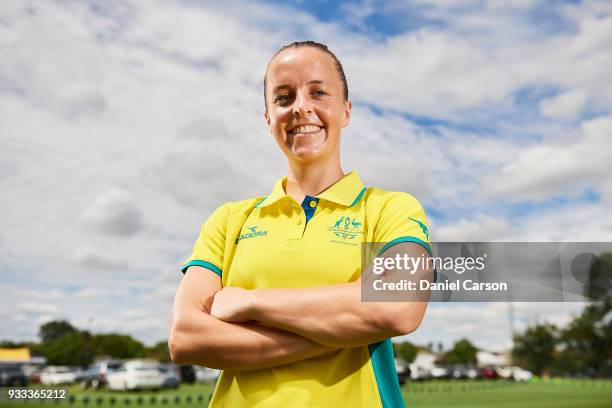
x=402, y=219
x=209, y=247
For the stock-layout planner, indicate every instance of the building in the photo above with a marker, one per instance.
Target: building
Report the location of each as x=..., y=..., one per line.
x=22, y=357
x=492, y=359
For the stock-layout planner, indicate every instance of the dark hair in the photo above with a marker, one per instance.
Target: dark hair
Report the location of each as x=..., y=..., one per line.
x=314, y=44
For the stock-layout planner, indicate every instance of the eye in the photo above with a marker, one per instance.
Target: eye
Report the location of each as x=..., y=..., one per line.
x=282, y=98
x=320, y=93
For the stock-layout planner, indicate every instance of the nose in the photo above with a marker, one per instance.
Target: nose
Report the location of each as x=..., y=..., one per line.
x=301, y=106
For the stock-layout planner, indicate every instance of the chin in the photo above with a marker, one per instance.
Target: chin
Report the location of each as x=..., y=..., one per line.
x=307, y=155
x=309, y=150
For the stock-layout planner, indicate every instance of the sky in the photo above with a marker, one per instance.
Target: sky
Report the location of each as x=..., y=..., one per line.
x=124, y=124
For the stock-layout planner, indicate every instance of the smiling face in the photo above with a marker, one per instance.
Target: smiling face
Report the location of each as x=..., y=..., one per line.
x=306, y=109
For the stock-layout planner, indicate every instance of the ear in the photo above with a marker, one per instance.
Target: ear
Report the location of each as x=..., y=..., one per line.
x=267, y=117
x=348, y=105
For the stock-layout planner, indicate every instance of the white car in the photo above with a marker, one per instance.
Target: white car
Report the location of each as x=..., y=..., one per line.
x=520, y=374
x=439, y=372
x=472, y=373
x=171, y=377
x=514, y=373
x=206, y=375
x=54, y=375
x=504, y=372
x=136, y=374
x=418, y=372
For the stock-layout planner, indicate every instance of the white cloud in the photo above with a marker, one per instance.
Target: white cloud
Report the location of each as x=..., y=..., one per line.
x=566, y=106
x=91, y=259
x=37, y=308
x=553, y=169
x=93, y=293
x=480, y=229
x=483, y=55
x=504, y=4
x=570, y=223
x=114, y=212
x=429, y=73
x=570, y=60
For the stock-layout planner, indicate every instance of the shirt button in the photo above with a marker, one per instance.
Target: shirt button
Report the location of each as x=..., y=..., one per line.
x=312, y=204
x=299, y=221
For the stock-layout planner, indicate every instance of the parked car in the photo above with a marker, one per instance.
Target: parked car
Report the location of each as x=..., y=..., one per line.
x=439, y=372
x=187, y=373
x=54, y=375
x=418, y=372
x=473, y=373
x=519, y=374
x=504, y=372
x=34, y=376
x=403, y=371
x=457, y=372
x=206, y=375
x=171, y=375
x=11, y=375
x=135, y=374
x=463, y=371
x=32, y=372
x=95, y=375
x=488, y=373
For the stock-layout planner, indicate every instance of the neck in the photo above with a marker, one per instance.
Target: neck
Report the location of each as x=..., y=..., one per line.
x=311, y=179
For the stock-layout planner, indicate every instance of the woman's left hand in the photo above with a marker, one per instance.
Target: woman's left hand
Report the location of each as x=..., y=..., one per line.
x=231, y=304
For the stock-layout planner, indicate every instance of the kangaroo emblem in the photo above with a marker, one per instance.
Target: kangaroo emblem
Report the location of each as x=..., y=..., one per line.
x=337, y=224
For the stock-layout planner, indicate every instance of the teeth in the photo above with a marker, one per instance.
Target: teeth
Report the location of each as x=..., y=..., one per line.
x=306, y=129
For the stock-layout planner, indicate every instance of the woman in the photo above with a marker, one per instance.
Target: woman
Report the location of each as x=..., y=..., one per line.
x=273, y=293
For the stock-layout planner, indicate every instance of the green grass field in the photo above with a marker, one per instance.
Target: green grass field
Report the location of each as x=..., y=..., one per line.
x=552, y=393
x=498, y=394
x=199, y=396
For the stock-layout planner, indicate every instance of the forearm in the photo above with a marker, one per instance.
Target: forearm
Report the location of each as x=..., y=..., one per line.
x=335, y=315
x=198, y=338
x=331, y=315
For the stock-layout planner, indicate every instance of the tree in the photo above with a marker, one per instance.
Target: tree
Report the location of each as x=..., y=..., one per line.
x=55, y=330
x=599, y=283
x=159, y=352
x=11, y=344
x=534, y=348
x=406, y=351
x=463, y=352
x=74, y=349
x=118, y=346
x=586, y=343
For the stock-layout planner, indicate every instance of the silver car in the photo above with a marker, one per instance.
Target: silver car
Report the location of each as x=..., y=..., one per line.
x=134, y=375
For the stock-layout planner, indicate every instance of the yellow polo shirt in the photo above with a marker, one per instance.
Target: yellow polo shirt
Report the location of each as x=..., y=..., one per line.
x=279, y=243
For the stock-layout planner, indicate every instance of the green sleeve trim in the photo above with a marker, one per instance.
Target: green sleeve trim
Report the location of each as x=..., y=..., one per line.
x=416, y=241
x=383, y=363
x=407, y=239
x=203, y=264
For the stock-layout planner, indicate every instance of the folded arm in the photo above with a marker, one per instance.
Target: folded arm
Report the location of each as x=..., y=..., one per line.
x=333, y=315
x=196, y=337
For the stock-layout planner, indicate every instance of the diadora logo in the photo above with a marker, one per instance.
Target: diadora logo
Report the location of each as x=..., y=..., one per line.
x=253, y=233
x=346, y=228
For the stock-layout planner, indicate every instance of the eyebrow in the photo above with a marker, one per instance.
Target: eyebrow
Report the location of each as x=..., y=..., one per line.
x=314, y=81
